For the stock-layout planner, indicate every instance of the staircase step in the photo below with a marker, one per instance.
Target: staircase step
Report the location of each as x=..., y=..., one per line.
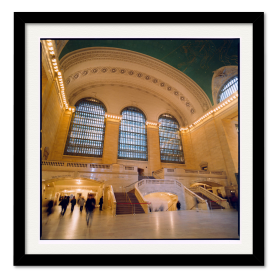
x=127, y=208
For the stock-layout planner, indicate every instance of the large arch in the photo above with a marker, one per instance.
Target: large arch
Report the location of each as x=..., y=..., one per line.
x=108, y=64
x=167, y=187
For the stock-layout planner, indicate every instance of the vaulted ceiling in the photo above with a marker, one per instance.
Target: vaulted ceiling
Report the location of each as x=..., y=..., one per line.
x=193, y=57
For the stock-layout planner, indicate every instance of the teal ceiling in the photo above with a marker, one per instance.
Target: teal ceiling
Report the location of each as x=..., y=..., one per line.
x=195, y=58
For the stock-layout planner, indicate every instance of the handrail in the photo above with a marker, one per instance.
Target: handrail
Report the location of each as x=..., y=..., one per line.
x=211, y=195
x=155, y=176
x=170, y=206
x=130, y=185
x=133, y=203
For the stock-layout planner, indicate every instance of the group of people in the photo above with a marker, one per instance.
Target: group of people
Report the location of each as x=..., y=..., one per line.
x=89, y=206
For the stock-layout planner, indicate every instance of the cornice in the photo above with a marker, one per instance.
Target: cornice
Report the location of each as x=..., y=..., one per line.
x=97, y=53
x=212, y=117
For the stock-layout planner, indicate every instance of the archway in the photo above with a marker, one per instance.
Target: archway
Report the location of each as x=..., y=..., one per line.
x=55, y=189
x=161, y=201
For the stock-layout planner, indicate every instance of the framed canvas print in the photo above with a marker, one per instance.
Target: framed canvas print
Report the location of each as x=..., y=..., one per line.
x=139, y=139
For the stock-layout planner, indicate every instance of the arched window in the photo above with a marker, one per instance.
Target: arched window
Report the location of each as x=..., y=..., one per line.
x=170, y=140
x=86, y=133
x=228, y=89
x=133, y=135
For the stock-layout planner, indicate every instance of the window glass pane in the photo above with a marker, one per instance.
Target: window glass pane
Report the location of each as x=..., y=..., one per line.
x=228, y=89
x=133, y=134
x=86, y=133
x=170, y=140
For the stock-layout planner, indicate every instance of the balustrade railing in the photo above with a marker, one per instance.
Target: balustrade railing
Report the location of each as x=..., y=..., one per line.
x=105, y=167
x=214, y=198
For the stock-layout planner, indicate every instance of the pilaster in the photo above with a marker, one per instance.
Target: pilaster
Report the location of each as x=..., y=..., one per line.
x=61, y=136
x=111, y=139
x=188, y=149
x=153, y=146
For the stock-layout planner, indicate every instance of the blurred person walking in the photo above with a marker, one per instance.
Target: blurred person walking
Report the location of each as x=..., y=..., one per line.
x=81, y=203
x=63, y=203
x=196, y=203
x=100, y=203
x=90, y=205
x=178, y=205
x=73, y=203
x=50, y=206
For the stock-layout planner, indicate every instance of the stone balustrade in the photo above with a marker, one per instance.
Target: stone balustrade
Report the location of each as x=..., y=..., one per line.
x=185, y=196
x=59, y=165
x=190, y=176
x=221, y=201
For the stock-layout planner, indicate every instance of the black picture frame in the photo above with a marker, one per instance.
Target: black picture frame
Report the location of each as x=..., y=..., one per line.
x=254, y=259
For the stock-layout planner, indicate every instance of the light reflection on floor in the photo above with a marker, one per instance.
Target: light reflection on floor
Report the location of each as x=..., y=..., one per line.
x=215, y=224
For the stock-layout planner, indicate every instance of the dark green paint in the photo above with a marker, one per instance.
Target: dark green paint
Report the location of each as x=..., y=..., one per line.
x=196, y=58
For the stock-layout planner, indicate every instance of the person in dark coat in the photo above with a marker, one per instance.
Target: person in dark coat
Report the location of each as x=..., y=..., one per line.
x=196, y=202
x=50, y=206
x=100, y=203
x=234, y=202
x=63, y=203
x=73, y=203
x=90, y=205
x=178, y=205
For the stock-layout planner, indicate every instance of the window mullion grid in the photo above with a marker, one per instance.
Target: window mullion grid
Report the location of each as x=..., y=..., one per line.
x=86, y=136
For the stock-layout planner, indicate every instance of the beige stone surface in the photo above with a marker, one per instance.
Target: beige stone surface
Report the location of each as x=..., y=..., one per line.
x=111, y=141
x=153, y=148
x=61, y=136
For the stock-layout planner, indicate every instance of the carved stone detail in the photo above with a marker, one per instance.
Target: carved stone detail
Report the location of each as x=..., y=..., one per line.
x=98, y=53
x=123, y=71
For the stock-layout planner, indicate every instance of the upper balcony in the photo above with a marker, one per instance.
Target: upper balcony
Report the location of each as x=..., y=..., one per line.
x=181, y=172
x=50, y=165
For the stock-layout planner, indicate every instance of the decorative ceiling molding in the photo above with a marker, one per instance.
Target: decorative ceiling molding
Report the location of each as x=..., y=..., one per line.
x=85, y=87
x=97, y=53
x=132, y=73
x=60, y=44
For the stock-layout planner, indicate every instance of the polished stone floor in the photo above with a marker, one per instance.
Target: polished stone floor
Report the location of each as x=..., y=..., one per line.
x=216, y=224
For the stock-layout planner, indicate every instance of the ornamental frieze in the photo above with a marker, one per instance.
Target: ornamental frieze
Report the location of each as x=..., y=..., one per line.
x=97, y=53
x=129, y=72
